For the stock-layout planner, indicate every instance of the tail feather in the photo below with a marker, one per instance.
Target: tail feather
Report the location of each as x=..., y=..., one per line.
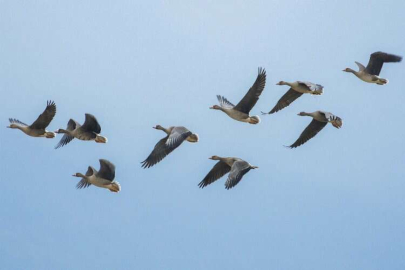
x=115, y=187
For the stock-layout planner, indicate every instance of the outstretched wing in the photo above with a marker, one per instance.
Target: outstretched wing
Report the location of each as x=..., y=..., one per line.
x=238, y=170
x=224, y=103
x=91, y=124
x=46, y=117
x=72, y=125
x=377, y=61
x=219, y=170
x=107, y=170
x=309, y=132
x=252, y=96
x=166, y=145
x=286, y=100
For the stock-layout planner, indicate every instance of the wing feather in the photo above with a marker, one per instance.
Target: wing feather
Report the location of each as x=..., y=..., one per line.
x=252, y=96
x=219, y=170
x=309, y=132
x=46, y=117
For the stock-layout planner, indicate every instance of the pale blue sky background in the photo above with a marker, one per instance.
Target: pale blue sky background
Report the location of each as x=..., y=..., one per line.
x=335, y=203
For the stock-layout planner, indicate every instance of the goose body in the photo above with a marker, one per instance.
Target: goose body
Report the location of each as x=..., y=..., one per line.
x=370, y=74
x=38, y=128
x=296, y=90
x=319, y=121
x=176, y=135
x=241, y=111
x=103, y=178
x=236, y=168
x=89, y=131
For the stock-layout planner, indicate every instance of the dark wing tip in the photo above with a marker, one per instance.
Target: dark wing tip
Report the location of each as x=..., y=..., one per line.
x=202, y=184
x=146, y=164
x=261, y=71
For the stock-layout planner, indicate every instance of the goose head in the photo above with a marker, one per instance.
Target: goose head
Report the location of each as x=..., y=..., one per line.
x=303, y=114
x=254, y=120
x=215, y=158
x=78, y=175
x=159, y=127
x=215, y=107
x=61, y=131
x=101, y=139
x=281, y=83
x=348, y=70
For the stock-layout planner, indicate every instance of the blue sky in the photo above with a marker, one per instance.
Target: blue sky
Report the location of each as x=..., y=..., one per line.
x=335, y=203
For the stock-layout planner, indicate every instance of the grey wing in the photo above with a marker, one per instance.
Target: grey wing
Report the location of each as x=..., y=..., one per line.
x=219, y=170
x=252, y=96
x=91, y=124
x=309, y=132
x=312, y=86
x=238, y=170
x=177, y=136
x=46, y=117
x=72, y=125
x=107, y=170
x=377, y=61
x=162, y=149
x=83, y=184
x=286, y=100
x=224, y=103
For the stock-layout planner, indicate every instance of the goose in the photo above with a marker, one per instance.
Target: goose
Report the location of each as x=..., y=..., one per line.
x=319, y=121
x=371, y=73
x=37, y=129
x=296, y=90
x=88, y=132
x=103, y=178
x=240, y=112
x=175, y=137
x=236, y=166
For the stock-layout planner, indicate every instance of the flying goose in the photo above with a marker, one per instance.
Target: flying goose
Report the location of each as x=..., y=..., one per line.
x=296, y=90
x=103, y=178
x=319, y=121
x=88, y=132
x=236, y=166
x=240, y=112
x=175, y=137
x=371, y=73
x=37, y=129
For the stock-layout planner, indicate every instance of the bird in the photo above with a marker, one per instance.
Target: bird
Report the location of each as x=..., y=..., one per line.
x=236, y=168
x=90, y=131
x=175, y=137
x=371, y=73
x=38, y=128
x=319, y=121
x=241, y=111
x=296, y=90
x=103, y=178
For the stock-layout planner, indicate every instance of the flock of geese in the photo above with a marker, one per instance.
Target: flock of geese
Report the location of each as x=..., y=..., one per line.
x=175, y=136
